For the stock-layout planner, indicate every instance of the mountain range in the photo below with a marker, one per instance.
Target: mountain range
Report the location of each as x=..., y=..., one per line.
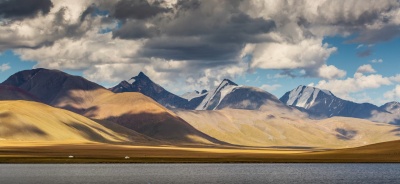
x=226, y=95
x=322, y=104
x=317, y=103
x=141, y=111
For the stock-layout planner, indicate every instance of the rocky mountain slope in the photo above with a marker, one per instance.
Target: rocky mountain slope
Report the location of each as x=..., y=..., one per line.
x=230, y=95
x=15, y=93
x=146, y=86
x=323, y=104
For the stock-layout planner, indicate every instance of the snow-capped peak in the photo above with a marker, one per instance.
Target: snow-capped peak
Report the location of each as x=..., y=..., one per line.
x=220, y=92
x=305, y=96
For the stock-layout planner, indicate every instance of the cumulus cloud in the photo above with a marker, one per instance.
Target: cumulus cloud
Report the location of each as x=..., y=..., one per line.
x=393, y=95
x=309, y=55
x=359, y=82
x=272, y=87
x=395, y=78
x=5, y=67
x=367, y=68
x=331, y=72
x=196, y=42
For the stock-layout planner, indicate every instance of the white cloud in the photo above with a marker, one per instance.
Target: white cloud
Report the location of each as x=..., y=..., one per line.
x=5, y=67
x=272, y=87
x=395, y=78
x=80, y=54
x=377, y=61
x=343, y=88
x=308, y=54
x=367, y=68
x=331, y=72
x=393, y=95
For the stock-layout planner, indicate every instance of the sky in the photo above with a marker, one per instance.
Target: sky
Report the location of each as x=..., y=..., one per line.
x=349, y=47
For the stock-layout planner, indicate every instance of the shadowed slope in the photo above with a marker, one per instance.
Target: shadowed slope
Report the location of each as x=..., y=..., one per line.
x=15, y=93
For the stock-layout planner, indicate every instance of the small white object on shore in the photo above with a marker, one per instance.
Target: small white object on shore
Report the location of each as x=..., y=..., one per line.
x=126, y=157
x=71, y=156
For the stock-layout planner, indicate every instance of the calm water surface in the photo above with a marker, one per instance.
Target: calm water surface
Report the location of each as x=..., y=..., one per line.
x=200, y=173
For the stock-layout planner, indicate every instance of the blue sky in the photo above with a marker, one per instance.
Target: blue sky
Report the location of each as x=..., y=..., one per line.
x=348, y=47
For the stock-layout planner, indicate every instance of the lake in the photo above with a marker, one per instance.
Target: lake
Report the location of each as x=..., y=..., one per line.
x=199, y=173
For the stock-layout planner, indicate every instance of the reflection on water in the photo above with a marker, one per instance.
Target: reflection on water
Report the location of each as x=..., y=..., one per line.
x=200, y=173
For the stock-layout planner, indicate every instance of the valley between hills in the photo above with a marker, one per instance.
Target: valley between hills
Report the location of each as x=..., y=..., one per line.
x=46, y=116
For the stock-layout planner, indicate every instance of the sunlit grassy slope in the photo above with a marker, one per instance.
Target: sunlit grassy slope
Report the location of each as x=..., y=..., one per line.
x=144, y=115
x=279, y=128
x=32, y=121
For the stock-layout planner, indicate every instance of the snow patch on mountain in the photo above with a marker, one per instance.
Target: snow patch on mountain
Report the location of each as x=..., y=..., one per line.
x=305, y=96
x=221, y=91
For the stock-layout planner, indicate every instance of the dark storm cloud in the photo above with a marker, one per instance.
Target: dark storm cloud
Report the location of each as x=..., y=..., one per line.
x=364, y=53
x=24, y=8
x=137, y=9
x=242, y=29
x=174, y=50
x=195, y=32
x=136, y=29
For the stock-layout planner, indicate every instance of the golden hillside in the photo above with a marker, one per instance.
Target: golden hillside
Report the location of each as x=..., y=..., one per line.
x=32, y=121
x=282, y=129
x=132, y=110
x=142, y=114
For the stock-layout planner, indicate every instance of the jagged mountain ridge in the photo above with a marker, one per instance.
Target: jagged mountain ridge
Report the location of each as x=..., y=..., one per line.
x=231, y=95
x=146, y=86
x=324, y=104
x=226, y=95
